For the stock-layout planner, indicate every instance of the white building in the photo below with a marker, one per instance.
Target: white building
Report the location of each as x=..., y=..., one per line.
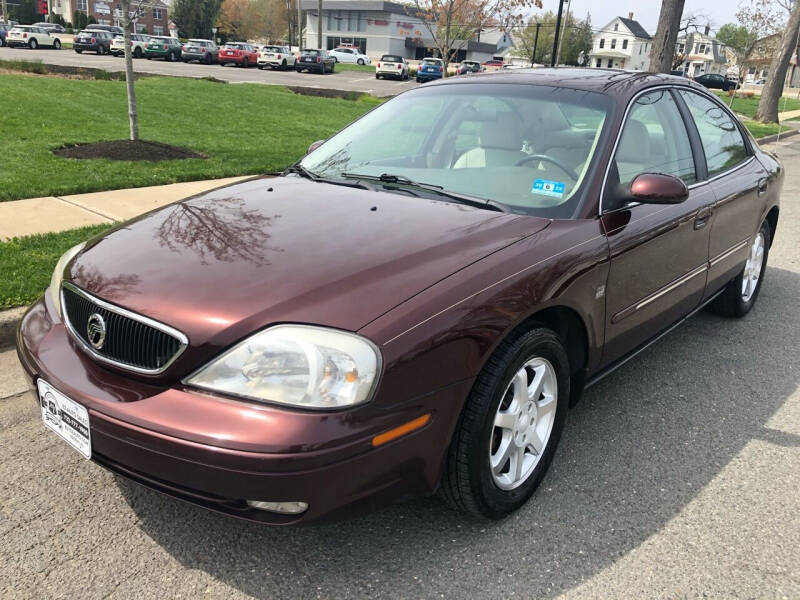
x=701, y=53
x=622, y=44
x=378, y=27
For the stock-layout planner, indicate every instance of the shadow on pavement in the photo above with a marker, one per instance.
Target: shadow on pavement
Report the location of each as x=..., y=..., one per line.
x=641, y=445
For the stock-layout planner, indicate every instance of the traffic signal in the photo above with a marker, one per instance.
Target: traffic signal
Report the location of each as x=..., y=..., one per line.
x=42, y=7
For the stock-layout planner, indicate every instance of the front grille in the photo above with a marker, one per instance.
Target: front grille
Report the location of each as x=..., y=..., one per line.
x=131, y=341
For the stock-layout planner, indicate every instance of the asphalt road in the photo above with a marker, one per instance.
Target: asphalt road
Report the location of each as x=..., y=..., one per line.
x=677, y=477
x=358, y=81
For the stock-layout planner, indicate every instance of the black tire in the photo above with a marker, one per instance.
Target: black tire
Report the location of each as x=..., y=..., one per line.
x=335, y=59
x=171, y=57
x=57, y=44
x=731, y=302
x=245, y=63
x=360, y=61
x=137, y=53
x=101, y=50
x=467, y=482
x=33, y=44
x=78, y=51
x=207, y=59
x=283, y=65
x=377, y=76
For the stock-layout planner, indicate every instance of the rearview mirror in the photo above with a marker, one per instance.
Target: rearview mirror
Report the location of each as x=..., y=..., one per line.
x=657, y=188
x=314, y=146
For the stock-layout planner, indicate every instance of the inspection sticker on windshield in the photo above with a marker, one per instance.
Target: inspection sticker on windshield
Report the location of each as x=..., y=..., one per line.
x=548, y=188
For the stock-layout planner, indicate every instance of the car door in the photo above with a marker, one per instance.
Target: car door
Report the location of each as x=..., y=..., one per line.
x=659, y=252
x=739, y=183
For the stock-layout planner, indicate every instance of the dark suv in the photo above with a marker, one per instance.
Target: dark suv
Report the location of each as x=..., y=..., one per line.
x=315, y=60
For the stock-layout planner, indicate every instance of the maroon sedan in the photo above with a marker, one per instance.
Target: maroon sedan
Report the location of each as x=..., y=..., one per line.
x=413, y=306
x=238, y=53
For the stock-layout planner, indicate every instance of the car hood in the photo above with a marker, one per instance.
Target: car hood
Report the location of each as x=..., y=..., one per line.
x=223, y=264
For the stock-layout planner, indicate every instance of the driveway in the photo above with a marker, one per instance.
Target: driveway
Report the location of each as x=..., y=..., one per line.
x=358, y=81
x=677, y=476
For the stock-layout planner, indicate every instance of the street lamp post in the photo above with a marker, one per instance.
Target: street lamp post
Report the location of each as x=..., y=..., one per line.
x=214, y=33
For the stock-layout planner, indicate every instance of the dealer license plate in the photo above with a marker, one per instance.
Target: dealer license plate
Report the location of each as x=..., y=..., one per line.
x=67, y=418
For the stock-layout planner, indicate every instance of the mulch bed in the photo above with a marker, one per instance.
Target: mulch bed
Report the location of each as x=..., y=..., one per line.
x=126, y=150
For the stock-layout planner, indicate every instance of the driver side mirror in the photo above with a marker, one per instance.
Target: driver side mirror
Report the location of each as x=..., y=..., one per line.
x=655, y=188
x=314, y=146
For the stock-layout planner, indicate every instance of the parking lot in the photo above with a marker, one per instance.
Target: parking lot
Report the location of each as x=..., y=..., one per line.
x=677, y=476
x=358, y=81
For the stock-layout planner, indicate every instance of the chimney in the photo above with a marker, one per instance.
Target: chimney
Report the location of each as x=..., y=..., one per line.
x=630, y=16
x=707, y=29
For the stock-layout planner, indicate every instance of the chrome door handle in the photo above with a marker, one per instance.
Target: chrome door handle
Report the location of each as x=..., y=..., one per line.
x=702, y=218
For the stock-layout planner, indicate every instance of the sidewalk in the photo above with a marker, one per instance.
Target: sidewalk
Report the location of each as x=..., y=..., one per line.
x=789, y=114
x=59, y=213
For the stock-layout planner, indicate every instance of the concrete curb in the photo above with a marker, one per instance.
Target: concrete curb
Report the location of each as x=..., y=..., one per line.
x=774, y=138
x=9, y=319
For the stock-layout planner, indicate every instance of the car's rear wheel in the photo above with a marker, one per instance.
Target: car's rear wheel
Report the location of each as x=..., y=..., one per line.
x=207, y=59
x=377, y=76
x=245, y=63
x=283, y=65
x=510, y=426
x=137, y=53
x=742, y=292
x=33, y=44
x=57, y=45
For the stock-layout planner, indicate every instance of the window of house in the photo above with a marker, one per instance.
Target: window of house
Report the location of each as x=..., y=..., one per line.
x=680, y=48
x=654, y=140
x=158, y=14
x=722, y=141
x=352, y=18
x=610, y=63
x=82, y=5
x=613, y=43
x=599, y=62
x=158, y=30
x=616, y=26
x=624, y=44
x=602, y=42
x=362, y=22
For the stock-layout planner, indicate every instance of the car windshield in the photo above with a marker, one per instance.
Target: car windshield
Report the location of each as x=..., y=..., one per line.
x=527, y=147
x=272, y=49
x=391, y=58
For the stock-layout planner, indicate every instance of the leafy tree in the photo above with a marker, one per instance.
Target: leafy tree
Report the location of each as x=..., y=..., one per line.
x=452, y=23
x=195, y=18
x=23, y=12
x=577, y=38
x=235, y=19
x=740, y=40
x=79, y=20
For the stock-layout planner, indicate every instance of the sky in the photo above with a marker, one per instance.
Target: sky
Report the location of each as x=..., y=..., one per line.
x=646, y=12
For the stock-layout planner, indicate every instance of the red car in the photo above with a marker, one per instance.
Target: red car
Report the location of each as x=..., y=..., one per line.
x=399, y=315
x=497, y=64
x=238, y=53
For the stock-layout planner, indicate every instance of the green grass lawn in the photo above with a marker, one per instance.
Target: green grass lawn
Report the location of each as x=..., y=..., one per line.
x=27, y=263
x=748, y=106
x=760, y=130
x=349, y=67
x=243, y=129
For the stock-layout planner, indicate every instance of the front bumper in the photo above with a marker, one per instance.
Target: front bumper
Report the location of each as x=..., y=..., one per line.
x=218, y=453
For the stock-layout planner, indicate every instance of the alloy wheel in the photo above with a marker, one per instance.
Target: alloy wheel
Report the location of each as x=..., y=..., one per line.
x=523, y=423
x=752, y=268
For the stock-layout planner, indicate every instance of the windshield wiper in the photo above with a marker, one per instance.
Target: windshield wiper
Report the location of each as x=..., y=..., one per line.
x=300, y=170
x=430, y=187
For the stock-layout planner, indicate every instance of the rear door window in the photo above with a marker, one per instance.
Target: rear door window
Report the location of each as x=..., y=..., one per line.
x=722, y=140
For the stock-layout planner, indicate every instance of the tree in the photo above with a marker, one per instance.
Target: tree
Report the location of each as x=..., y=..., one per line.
x=452, y=23
x=577, y=38
x=663, y=48
x=130, y=11
x=195, y=18
x=740, y=40
x=24, y=12
x=767, y=111
x=236, y=19
x=270, y=19
x=690, y=22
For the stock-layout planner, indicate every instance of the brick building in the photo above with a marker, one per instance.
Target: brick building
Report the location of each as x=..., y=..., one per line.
x=154, y=17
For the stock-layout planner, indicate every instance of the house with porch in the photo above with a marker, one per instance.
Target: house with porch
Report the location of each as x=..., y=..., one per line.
x=622, y=44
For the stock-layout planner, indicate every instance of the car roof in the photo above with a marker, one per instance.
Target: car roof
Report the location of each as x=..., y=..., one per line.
x=614, y=82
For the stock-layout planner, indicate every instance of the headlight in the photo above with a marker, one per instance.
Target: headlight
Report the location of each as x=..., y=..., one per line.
x=297, y=365
x=58, y=275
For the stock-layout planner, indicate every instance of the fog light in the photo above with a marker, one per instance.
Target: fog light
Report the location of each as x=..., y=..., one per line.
x=285, y=508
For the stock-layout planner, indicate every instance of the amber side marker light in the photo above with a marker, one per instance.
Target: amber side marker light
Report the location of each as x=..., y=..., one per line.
x=405, y=428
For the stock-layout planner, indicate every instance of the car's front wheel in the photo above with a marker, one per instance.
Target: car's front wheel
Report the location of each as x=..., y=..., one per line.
x=741, y=293
x=57, y=45
x=510, y=426
x=360, y=61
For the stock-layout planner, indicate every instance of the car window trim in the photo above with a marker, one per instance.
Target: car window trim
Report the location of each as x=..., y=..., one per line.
x=695, y=141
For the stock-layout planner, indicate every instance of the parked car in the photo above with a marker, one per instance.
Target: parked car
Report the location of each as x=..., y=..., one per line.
x=391, y=65
x=55, y=27
x=112, y=29
x=32, y=37
x=205, y=51
x=93, y=41
x=448, y=314
x=311, y=59
x=469, y=66
x=429, y=69
x=716, y=81
x=138, y=45
x=238, y=53
x=493, y=64
x=3, y=33
x=166, y=47
x=276, y=57
x=349, y=55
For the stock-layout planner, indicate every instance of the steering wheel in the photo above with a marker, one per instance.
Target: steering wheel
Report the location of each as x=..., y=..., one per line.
x=569, y=171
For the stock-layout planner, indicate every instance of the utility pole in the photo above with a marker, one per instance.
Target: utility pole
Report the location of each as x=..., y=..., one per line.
x=663, y=48
x=563, y=33
x=535, y=43
x=299, y=25
x=5, y=12
x=319, y=25
x=558, y=29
